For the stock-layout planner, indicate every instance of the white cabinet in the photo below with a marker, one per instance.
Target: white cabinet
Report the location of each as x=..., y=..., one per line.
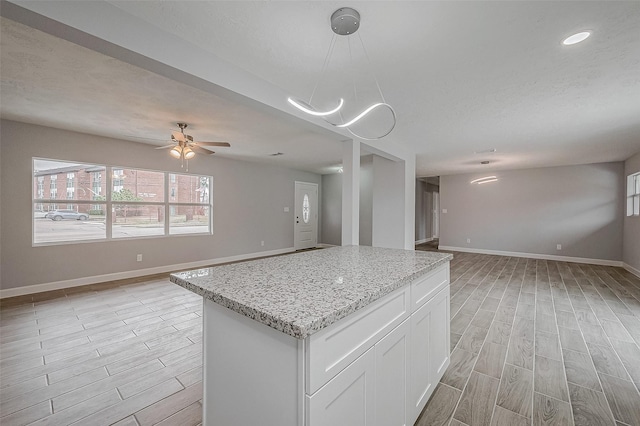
x=375, y=367
x=372, y=390
x=429, y=353
x=407, y=334
x=348, y=398
x=392, y=373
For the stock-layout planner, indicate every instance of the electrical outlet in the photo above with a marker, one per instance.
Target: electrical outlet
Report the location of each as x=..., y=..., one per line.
x=262, y=243
x=139, y=258
x=468, y=240
x=286, y=209
x=444, y=210
x=558, y=246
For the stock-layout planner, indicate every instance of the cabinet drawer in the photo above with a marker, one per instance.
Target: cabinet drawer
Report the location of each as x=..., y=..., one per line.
x=426, y=287
x=330, y=350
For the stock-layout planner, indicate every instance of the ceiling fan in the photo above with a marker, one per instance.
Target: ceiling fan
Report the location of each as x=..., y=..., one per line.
x=183, y=147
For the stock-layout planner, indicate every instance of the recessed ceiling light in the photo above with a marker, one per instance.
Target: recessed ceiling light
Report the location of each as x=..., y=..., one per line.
x=576, y=38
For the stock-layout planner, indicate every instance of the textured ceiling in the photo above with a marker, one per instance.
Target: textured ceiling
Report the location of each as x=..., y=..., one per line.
x=53, y=82
x=462, y=76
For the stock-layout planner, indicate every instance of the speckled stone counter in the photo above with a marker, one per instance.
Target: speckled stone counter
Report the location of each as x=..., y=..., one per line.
x=302, y=293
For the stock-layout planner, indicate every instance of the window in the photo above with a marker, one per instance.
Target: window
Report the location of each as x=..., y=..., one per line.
x=134, y=206
x=118, y=179
x=40, y=188
x=138, y=203
x=633, y=194
x=190, y=206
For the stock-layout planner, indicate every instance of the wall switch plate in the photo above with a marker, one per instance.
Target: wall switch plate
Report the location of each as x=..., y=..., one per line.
x=558, y=246
x=262, y=243
x=286, y=209
x=139, y=258
x=444, y=210
x=468, y=240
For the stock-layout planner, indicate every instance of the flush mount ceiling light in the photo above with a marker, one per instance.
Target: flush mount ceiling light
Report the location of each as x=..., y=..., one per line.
x=576, y=38
x=345, y=22
x=485, y=179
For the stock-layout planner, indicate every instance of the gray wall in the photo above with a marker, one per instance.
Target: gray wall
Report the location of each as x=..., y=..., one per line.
x=631, y=239
x=248, y=208
x=331, y=205
x=530, y=211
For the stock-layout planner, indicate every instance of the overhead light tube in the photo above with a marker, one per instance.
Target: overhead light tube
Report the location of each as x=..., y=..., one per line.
x=304, y=107
x=486, y=178
x=487, y=181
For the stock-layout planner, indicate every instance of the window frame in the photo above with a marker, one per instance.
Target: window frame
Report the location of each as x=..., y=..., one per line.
x=109, y=203
x=633, y=195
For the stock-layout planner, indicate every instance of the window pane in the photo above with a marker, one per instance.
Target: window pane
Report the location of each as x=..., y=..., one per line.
x=137, y=185
x=189, y=189
x=67, y=222
x=189, y=220
x=137, y=220
x=64, y=180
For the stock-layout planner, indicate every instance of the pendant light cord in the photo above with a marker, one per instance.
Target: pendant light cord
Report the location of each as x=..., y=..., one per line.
x=324, y=66
x=366, y=54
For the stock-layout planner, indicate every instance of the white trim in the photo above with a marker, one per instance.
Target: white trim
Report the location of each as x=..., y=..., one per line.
x=76, y=282
x=603, y=262
x=631, y=269
x=425, y=240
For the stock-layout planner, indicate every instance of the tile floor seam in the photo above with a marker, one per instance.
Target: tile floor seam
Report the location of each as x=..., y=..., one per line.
x=612, y=417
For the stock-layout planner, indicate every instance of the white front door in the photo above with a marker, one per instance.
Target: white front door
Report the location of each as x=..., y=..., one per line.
x=305, y=231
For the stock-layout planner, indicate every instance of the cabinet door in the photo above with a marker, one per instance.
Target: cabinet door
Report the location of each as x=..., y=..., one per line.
x=348, y=398
x=429, y=350
x=440, y=336
x=392, y=357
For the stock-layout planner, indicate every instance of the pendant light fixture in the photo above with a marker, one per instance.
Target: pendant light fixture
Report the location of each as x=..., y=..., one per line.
x=345, y=22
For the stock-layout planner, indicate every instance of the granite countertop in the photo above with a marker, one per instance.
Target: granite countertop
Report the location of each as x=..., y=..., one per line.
x=302, y=293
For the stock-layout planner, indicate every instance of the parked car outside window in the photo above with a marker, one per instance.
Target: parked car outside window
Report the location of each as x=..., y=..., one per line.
x=66, y=214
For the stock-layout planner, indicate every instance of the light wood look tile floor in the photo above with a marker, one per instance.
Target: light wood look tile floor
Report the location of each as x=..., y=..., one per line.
x=538, y=342
x=533, y=343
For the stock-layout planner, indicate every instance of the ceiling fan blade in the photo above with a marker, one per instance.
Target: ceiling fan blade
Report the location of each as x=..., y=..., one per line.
x=214, y=144
x=199, y=150
x=178, y=136
x=166, y=146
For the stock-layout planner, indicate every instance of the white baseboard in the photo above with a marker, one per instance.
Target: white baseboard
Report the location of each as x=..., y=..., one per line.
x=76, y=282
x=631, y=269
x=324, y=245
x=426, y=240
x=603, y=262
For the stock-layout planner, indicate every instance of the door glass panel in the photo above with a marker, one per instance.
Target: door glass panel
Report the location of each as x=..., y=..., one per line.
x=305, y=208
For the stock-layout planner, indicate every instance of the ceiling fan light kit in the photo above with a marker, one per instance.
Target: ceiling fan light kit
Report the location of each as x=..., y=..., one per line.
x=345, y=22
x=183, y=147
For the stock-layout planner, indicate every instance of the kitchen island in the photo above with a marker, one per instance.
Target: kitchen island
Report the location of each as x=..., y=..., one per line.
x=349, y=335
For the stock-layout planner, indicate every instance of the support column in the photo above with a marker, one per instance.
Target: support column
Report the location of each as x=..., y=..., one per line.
x=351, y=193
